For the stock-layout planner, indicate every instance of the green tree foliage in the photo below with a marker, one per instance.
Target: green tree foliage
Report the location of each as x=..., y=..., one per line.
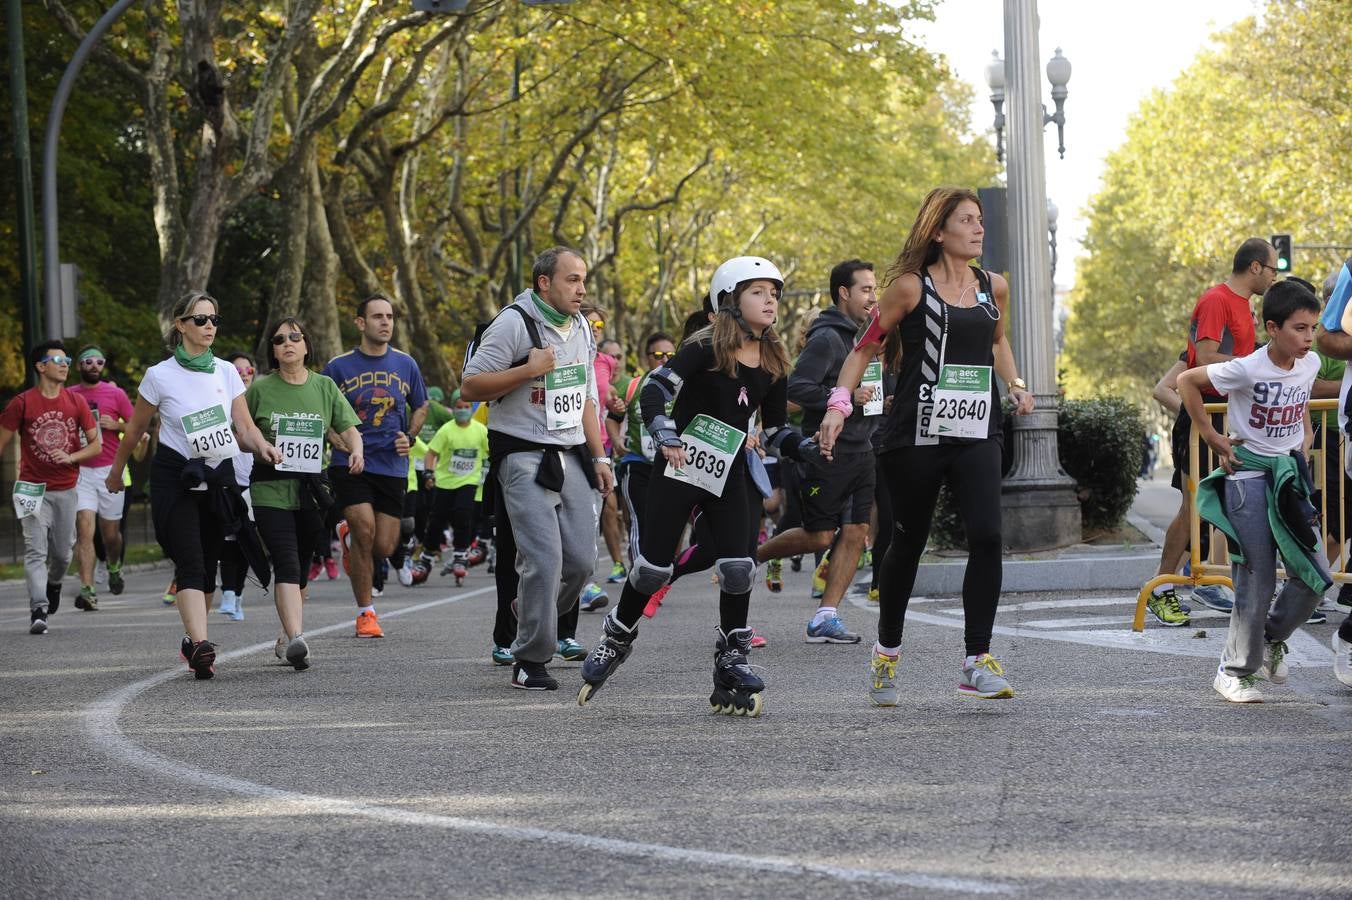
x=366, y=148
x=1252, y=139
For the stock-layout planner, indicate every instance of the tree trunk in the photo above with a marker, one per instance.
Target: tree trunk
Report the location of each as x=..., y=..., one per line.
x=318, y=301
x=293, y=184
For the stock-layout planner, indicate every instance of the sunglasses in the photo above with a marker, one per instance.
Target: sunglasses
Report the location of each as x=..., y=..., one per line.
x=598, y=323
x=247, y=370
x=663, y=354
x=59, y=360
x=92, y=361
x=200, y=320
x=294, y=337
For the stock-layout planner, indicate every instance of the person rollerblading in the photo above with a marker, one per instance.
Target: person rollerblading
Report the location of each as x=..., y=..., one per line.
x=737, y=690
x=612, y=650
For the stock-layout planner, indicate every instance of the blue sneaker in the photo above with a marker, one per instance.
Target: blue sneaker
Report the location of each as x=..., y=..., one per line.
x=571, y=651
x=830, y=631
x=1216, y=596
x=592, y=599
x=502, y=656
x=617, y=574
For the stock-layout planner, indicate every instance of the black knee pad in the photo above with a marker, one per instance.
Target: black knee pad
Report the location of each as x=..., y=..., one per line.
x=647, y=578
x=735, y=573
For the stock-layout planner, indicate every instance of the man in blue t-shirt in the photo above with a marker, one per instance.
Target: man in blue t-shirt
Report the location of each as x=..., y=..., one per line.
x=386, y=389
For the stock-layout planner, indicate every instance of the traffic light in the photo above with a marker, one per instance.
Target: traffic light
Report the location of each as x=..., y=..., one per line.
x=1282, y=244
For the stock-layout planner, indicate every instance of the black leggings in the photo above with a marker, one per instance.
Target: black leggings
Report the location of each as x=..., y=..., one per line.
x=289, y=534
x=914, y=475
x=454, y=508
x=882, y=506
x=729, y=520
x=634, y=478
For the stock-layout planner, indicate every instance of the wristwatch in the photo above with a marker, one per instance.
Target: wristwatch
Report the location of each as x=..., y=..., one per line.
x=601, y=460
x=1018, y=384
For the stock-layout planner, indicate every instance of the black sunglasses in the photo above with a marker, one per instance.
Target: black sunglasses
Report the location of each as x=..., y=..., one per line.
x=294, y=337
x=200, y=320
x=662, y=354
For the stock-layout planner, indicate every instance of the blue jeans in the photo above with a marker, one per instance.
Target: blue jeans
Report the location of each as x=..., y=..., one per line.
x=1256, y=618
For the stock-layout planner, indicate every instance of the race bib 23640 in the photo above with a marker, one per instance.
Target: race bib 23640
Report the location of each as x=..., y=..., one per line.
x=962, y=402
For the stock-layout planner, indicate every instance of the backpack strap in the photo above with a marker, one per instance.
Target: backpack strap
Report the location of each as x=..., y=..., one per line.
x=532, y=329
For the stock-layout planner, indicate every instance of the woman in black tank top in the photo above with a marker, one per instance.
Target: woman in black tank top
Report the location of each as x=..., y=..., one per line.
x=940, y=321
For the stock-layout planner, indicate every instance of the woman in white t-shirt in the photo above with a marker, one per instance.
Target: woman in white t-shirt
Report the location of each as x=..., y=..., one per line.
x=192, y=484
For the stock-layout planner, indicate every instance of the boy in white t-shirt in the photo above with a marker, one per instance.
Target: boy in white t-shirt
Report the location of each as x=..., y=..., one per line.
x=1269, y=392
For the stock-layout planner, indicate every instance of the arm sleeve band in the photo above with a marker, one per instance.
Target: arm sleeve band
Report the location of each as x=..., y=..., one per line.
x=872, y=333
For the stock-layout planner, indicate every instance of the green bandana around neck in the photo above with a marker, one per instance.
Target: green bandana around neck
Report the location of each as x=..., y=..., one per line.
x=552, y=315
x=202, y=362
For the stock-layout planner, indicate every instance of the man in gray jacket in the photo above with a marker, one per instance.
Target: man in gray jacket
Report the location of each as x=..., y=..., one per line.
x=839, y=494
x=544, y=444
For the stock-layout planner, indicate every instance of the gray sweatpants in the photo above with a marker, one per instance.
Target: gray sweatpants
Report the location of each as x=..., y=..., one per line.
x=1252, y=623
x=555, y=548
x=48, y=538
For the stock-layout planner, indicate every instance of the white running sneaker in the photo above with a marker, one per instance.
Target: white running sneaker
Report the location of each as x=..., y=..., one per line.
x=1237, y=689
x=298, y=653
x=1274, y=668
x=405, y=573
x=279, y=649
x=1342, y=660
x=984, y=678
x=883, y=679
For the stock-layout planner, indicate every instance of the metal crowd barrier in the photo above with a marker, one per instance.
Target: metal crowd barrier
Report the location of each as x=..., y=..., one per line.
x=1202, y=572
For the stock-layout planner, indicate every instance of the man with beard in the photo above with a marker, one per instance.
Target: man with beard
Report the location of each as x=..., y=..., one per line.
x=112, y=410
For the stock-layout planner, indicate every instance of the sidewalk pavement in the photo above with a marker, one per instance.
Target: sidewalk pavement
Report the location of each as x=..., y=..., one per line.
x=1080, y=566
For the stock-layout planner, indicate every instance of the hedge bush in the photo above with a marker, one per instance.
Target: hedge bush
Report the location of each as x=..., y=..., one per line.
x=1099, y=443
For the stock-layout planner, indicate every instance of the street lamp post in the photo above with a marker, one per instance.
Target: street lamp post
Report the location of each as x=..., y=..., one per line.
x=1039, y=502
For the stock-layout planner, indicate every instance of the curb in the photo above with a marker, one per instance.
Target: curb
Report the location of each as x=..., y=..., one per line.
x=1082, y=574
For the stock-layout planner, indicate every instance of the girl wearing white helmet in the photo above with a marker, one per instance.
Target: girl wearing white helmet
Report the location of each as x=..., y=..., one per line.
x=716, y=381
x=945, y=319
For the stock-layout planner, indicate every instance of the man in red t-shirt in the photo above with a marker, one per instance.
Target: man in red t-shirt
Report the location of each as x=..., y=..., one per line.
x=49, y=421
x=1222, y=328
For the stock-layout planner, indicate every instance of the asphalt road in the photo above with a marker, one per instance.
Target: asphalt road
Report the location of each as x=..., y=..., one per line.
x=407, y=767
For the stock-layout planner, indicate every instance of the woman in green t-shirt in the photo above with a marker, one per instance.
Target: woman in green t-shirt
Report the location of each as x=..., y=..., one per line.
x=296, y=408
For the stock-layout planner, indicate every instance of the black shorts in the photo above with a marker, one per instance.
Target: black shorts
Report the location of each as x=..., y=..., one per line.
x=385, y=493
x=838, y=493
x=1179, y=442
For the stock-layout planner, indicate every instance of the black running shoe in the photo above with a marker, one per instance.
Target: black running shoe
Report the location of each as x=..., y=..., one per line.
x=202, y=661
x=37, y=621
x=53, y=597
x=185, y=648
x=529, y=676
x=116, y=583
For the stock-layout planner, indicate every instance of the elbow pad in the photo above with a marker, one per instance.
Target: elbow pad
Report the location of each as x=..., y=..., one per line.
x=663, y=430
x=666, y=381
x=784, y=441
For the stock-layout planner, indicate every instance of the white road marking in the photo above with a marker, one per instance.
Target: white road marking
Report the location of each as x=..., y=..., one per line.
x=101, y=724
x=1304, y=650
